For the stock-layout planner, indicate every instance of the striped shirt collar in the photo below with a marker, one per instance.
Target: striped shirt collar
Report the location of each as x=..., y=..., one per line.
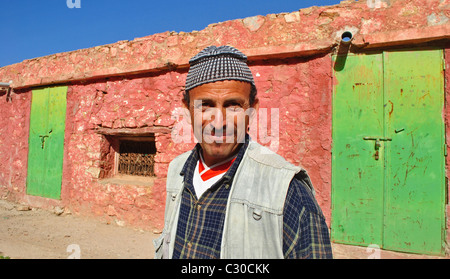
x=191, y=162
x=206, y=172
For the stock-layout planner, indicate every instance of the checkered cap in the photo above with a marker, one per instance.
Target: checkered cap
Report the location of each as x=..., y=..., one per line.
x=218, y=63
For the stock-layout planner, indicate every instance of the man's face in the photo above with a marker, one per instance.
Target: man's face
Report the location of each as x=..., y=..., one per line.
x=219, y=115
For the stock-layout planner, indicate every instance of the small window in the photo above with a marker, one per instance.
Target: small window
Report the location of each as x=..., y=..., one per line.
x=136, y=157
x=127, y=157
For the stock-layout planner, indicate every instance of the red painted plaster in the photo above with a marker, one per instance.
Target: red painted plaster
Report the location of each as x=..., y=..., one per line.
x=14, y=126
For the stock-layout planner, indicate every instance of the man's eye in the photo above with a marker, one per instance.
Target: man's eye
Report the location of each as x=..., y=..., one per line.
x=201, y=106
x=234, y=108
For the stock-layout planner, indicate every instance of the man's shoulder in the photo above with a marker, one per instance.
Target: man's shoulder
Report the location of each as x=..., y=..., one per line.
x=178, y=162
x=182, y=157
x=301, y=195
x=266, y=156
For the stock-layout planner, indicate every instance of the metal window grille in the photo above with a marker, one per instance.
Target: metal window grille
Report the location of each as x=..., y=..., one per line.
x=137, y=158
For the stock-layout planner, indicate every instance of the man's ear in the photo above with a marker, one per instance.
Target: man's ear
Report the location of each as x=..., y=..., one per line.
x=255, y=104
x=186, y=112
x=251, y=115
x=255, y=107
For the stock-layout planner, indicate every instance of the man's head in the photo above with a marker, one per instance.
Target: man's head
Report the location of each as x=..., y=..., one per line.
x=216, y=64
x=220, y=95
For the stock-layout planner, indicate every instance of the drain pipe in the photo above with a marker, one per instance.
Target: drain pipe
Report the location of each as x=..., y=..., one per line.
x=346, y=37
x=343, y=49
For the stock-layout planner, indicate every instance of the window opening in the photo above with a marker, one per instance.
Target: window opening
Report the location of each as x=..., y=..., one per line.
x=136, y=157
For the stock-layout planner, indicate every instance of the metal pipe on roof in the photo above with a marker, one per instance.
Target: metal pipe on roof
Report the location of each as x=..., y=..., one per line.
x=346, y=37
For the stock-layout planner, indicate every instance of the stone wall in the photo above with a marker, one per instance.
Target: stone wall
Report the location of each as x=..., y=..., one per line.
x=14, y=129
x=136, y=105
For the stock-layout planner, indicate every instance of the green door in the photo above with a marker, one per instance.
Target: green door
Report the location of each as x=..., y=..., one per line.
x=415, y=196
x=388, y=143
x=46, y=142
x=358, y=113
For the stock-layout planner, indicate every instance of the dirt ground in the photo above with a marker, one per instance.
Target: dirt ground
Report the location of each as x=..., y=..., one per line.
x=32, y=233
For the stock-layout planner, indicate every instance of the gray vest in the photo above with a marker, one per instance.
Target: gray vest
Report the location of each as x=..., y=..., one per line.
x=253, y=225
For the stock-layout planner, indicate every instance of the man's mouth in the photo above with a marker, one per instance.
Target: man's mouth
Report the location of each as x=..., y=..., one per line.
x=219, y=138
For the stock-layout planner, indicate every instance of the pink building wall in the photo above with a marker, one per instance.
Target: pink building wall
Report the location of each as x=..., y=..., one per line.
x=148, y=102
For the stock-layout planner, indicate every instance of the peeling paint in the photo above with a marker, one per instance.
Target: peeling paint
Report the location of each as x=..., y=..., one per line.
x=438, y=19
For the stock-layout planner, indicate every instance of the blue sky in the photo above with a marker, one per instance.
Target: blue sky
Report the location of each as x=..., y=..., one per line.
x=35, y=28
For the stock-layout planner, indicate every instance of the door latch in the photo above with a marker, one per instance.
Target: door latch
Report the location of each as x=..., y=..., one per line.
x=380, y=139
x=43, y=140
x=377, y=144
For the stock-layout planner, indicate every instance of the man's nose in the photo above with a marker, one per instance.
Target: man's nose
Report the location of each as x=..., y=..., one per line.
x=218, y=118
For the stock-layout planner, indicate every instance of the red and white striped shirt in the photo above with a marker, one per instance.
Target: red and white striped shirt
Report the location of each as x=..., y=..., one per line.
x=205, y=177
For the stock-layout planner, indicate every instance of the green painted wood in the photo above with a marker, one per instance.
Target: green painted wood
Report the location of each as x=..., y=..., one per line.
x=357, y=192
x=37, y=157
x=398, y=201
x=415, y=188
x=46, y=142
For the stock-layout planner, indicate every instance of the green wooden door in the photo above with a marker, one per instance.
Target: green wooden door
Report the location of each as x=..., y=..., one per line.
x=388, y=142
x=46, y=142
x=415, y=196
x=358, y=113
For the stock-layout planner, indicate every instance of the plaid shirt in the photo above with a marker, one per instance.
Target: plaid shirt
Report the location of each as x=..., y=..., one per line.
x=200, y=222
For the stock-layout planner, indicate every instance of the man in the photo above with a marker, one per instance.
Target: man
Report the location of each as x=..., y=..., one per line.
x=231, y=197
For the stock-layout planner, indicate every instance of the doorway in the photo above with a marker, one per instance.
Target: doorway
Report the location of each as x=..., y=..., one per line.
x=388, y=167
x=46, y=142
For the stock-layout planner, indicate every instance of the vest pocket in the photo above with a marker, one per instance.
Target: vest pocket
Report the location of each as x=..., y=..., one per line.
x=252, y=232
